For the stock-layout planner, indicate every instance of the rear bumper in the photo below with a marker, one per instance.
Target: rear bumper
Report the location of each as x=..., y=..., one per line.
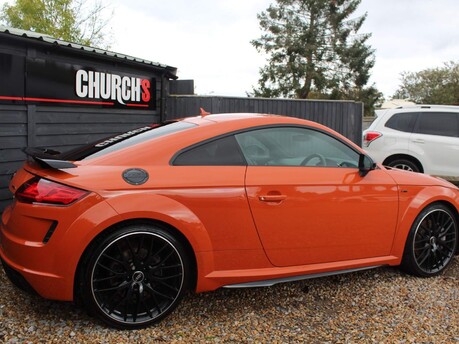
x=48, y=263
x=21, y=259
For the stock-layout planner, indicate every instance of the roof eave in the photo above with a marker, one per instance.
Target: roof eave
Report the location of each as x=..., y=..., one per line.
x=168, y=71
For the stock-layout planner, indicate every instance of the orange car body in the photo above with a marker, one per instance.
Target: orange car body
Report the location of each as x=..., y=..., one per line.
x=243, y=223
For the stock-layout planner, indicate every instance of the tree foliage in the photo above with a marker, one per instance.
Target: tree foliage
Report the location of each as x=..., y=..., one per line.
x=431, y=86
x=314, y=51
x=78, y=21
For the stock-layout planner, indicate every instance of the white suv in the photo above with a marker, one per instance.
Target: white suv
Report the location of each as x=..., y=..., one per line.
x=422, y=138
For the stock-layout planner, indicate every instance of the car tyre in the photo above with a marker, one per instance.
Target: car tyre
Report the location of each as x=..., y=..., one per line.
x=431, y=242
x=404, y=164
x=135, y=277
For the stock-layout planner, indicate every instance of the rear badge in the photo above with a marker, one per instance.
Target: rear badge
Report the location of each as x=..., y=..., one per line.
x=135, y=176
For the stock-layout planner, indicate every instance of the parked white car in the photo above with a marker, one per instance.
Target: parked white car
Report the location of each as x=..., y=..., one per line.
x=421, y=138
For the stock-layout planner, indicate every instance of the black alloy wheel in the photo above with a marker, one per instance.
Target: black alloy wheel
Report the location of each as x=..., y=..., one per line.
x=136, y=277
x=432, y=242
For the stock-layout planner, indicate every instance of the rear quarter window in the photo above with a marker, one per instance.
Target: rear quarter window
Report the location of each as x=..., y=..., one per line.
x=124, y=140
x=403, y=121
x=219, y=152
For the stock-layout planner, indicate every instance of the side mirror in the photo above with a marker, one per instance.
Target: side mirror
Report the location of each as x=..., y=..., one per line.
x=365, y=165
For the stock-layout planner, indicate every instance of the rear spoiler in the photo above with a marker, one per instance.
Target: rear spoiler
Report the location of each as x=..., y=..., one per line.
x=48, y=158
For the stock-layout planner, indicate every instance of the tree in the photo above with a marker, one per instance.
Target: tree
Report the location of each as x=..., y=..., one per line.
x=78, y=21
x=431, y=86
x=314, y=51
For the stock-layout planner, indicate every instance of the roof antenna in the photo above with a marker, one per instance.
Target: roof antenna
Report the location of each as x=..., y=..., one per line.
x=203, y=112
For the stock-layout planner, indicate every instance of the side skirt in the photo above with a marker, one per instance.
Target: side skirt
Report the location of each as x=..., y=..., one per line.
x=271, y=282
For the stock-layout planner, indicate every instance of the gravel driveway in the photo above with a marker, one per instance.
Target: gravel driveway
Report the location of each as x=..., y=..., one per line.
x=382, y=305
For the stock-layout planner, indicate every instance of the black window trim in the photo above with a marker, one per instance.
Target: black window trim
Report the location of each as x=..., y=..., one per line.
x=260, y=127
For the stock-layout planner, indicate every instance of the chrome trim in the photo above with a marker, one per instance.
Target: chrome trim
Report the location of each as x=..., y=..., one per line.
x=271, y=282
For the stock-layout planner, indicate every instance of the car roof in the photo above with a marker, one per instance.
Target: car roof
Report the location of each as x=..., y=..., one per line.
x=384, y=114
x=227, y=122
x=242, y=117
x=425, y=107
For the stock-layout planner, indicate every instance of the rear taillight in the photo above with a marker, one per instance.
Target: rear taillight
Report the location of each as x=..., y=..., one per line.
x=39, y=190
x=369, y=137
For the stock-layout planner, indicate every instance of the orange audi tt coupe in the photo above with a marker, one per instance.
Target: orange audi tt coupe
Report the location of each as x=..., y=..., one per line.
x=129, y=223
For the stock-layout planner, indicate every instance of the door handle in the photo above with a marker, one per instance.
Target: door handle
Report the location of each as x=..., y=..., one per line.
x=272, y=198
x=418, y=141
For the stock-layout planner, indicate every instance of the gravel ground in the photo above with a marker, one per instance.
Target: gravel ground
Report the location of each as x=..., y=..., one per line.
x=381, y=305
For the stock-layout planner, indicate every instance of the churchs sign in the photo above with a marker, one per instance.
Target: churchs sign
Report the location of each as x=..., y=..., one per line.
x=125, y=90
x=48, y=81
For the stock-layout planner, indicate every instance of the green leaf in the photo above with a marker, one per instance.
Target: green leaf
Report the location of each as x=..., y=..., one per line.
x=77, y=21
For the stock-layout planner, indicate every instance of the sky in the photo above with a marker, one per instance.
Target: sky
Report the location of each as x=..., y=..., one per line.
x=209, y=40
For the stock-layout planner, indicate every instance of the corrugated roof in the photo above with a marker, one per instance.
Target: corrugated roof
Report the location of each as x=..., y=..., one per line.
x=51, y=40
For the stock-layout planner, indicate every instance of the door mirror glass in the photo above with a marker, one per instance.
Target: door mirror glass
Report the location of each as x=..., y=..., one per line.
x=365, y=165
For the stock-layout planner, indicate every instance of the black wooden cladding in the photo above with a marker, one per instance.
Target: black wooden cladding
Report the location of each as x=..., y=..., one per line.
x=181, y=87
x=13, y=137
x=343, y=116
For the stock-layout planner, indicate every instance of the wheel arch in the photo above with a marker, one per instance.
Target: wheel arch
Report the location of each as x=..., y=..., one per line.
x=85, y=256
x=168, y=214
x=409, y=263
x=445, y=203
x=409, y=212
x=411, y=158
x=455, y=212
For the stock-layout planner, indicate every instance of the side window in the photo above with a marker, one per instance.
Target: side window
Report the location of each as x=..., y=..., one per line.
x=402, y=121
x=438, y=123
x=219, y=152
x=293, y=146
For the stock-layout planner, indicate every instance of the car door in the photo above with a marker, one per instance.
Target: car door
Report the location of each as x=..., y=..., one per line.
x=436, y=139
x=308, y=201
